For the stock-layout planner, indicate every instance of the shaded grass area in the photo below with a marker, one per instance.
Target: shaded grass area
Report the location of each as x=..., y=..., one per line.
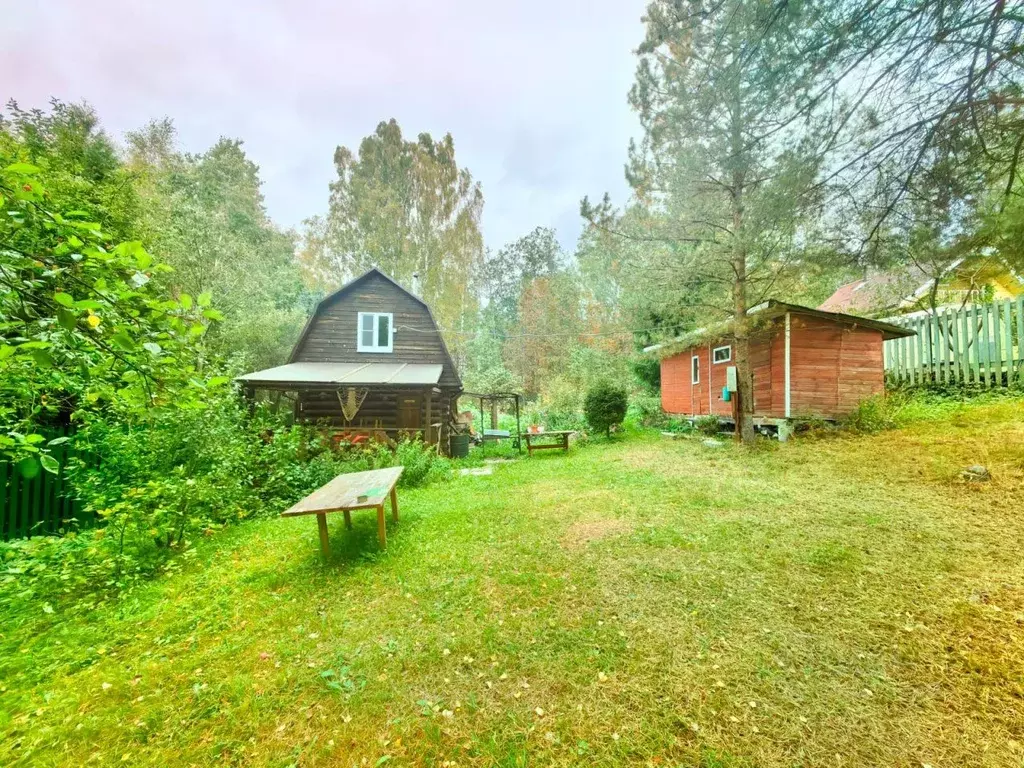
x=848, y=601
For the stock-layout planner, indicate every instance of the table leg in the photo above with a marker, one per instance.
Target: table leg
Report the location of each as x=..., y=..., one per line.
x=394, y=504
x=348, y=519
x=382, y=535
x=325, y=544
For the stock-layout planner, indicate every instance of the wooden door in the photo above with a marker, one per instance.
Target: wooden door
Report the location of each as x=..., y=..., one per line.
x=409, y=412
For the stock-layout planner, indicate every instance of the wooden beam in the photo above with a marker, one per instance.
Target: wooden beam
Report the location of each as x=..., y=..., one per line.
x=786, y=372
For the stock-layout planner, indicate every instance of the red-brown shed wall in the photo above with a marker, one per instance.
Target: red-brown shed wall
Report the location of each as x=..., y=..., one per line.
x=833, y=367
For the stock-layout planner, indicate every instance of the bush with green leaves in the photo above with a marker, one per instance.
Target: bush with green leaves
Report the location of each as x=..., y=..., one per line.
x=182, y=473
x=708, y=425
x=82, y=327
x=646, y=411
x=605, y=406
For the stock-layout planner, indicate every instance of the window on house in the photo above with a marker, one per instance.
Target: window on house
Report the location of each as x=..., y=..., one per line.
x=721, y=354
x=375, y=329
x=695, y=370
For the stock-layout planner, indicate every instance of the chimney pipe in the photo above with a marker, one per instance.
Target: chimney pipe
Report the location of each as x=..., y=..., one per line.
x=416, y=283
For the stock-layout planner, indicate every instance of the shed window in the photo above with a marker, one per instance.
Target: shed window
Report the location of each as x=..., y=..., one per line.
x=721, y=354
x=695, y=370
x=375, y=329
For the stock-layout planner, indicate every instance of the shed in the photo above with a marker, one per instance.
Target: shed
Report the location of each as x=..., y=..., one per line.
x=370, y=361
x=806, y=363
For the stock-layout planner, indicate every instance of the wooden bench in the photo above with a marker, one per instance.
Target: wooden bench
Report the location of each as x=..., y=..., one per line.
x=561, y=440
x=352, y=491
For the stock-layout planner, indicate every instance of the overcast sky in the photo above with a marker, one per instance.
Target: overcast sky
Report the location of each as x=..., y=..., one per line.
x=533, y=91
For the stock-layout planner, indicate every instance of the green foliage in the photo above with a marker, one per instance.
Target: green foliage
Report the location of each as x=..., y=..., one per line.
x=404, y=206
x=181, y=473
x=605, y=406
x=206, y=217
x=646, y=411
x=900, y=407
x=647, y=370
x=509, y=272
x=83, y=327
x=707, y=425
x=422, y=463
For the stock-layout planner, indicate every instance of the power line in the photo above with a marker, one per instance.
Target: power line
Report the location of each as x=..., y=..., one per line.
x=506, y=337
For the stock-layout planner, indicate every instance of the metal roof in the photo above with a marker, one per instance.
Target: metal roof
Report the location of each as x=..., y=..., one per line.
x=308, y=374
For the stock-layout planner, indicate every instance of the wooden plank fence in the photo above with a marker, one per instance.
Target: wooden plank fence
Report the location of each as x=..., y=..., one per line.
x=43, y=504
x=981, y=344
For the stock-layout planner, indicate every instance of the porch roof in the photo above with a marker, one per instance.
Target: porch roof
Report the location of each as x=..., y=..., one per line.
x=324, y=375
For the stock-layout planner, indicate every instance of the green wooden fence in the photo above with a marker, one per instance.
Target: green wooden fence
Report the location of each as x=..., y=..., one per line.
x=980, y=344
x=39, y=503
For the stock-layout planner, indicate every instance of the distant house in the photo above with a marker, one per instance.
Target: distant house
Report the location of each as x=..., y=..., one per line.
x=965, y=281
x=806, y=364
x=371, y=361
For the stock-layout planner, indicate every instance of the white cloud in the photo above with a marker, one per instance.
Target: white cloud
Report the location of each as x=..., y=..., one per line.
x=533, y=92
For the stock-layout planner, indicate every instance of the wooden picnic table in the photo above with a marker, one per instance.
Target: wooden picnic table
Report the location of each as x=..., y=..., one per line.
x=561, y=440
x=348, y=492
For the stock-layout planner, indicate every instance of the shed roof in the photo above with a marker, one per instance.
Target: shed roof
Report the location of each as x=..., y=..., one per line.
x=311, y=375
x=770, y=310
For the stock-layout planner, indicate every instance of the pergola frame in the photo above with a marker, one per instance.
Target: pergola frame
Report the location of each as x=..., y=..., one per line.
x=497, y=397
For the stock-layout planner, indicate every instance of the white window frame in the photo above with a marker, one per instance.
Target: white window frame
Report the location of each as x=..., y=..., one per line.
x=695, y=369
x=714, y=355
x=360, y=347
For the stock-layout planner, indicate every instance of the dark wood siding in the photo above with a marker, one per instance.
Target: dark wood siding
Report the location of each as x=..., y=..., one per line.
x=382, y=409
x=332, y=334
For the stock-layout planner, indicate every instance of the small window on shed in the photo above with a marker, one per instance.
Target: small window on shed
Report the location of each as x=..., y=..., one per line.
x=721, y=354
x=374, y=334
x=695, y=370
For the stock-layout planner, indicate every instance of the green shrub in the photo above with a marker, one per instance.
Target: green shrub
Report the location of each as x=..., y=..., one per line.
x=605, y=406
x=646, y=411
x=707, y=425
x=422, y=463
x=647, y=370
x=183, y=473
x=675, y=424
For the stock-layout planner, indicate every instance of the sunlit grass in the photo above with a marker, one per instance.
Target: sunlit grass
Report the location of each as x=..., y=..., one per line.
x=845, y=601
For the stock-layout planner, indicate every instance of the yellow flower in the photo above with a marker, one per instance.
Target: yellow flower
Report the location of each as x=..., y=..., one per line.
x=93, y=321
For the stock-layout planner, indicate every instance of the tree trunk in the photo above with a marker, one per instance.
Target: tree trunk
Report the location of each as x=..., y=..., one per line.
x=738, y=260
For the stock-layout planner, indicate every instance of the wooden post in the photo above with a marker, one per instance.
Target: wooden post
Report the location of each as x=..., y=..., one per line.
x=394, y=504
x=519, y=429
x=429, y=414
x=1020, y=339
x=382, y=534
x=325, y=543
x=348, y=519
x=1008, y=340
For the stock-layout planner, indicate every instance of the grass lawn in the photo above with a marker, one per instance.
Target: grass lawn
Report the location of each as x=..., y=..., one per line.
x=843, y=602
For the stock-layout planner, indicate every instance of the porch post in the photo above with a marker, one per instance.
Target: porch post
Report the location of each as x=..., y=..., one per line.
x=427, y=407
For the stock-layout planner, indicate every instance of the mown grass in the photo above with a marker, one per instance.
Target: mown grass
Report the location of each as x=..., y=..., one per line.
x=848, y=601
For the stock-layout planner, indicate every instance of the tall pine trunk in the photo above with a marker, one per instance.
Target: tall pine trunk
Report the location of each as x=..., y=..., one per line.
x=738, y=260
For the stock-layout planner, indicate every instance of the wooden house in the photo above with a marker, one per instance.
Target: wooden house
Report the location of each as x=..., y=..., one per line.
x=806, y=364
x=371, y=362
x=910, y=290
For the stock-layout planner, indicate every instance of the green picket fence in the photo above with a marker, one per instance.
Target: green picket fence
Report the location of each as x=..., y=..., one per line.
x=40, y=503
x=980, y=344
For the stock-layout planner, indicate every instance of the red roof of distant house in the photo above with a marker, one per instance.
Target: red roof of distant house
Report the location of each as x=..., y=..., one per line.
x=877, y=292
x=844, y=298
